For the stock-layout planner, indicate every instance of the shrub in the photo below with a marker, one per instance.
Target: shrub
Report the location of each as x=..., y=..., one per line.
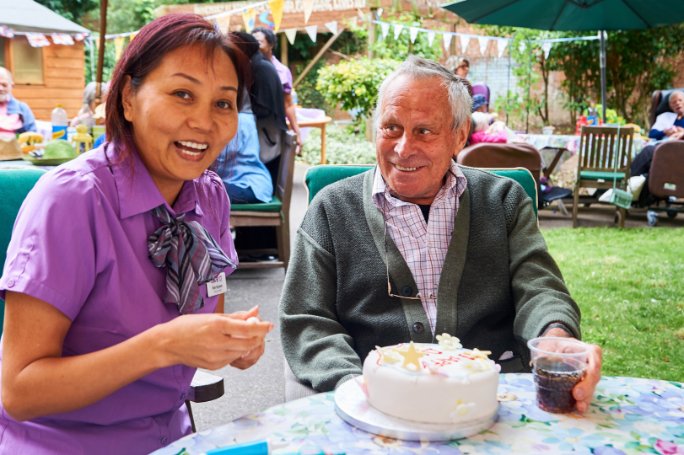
x=343, y=146
x=354, y=84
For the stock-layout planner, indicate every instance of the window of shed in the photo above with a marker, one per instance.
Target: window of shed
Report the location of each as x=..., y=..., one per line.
x=27, y=62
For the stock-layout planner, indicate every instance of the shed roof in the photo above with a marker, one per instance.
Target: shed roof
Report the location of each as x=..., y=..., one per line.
x=29, y=16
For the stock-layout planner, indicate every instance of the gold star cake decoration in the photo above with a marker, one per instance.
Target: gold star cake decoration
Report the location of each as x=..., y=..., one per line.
x=411, y=357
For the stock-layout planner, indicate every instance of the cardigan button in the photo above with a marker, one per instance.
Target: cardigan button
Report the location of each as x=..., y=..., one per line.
x=407, y=291
x=418, y=327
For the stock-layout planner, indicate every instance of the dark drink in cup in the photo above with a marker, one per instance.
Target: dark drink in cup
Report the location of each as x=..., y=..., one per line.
x=555, y=379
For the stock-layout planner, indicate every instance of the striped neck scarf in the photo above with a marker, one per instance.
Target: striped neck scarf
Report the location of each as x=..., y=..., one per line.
x=191, y=258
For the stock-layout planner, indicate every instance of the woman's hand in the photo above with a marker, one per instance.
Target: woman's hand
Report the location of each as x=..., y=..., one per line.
x=213, y=341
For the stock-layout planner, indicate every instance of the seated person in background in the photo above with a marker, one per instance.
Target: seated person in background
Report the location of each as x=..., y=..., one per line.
x=480, y=103
x=246, y=178
x=383, y=254
x=86, y=116
x=670, y=125
x=15, y=116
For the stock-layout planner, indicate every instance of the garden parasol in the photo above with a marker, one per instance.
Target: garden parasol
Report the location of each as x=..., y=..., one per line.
x=573, y=15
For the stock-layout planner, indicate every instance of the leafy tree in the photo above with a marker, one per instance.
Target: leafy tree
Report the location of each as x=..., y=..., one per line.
x=70, y=9
x=638, y=62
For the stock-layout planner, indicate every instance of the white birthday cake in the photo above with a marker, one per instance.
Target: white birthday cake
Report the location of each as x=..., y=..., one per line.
x=432, y=383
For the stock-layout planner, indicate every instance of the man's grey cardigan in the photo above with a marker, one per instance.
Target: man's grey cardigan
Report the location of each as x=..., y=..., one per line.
x=499, y=286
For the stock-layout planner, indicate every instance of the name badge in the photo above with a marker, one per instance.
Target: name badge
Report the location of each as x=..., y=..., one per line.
x=217, y=285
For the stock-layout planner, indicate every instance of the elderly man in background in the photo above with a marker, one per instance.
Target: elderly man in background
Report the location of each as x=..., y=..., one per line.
x=15, y=117
x=421, y=246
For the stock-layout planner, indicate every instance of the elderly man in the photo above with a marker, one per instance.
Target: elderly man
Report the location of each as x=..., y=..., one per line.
x=15, y=116
x=420, y=246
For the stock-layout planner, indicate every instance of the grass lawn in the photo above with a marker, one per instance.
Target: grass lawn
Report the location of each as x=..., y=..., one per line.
x=629, y=285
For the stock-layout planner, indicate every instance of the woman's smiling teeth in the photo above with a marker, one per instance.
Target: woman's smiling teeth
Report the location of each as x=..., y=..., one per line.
x=193, y=145
x=406, y=169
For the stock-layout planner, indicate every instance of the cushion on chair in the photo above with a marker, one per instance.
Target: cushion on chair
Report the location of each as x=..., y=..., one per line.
x=274, y=206
x=318, y=177
x=15, y=184
x=600, y=175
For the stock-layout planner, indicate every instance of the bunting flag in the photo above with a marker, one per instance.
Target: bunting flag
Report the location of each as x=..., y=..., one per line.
x=276, y=7
x=79, y=36
x=501, y=44
x=133, y=35
x=384, y=29
x=249, y=18
x=6, y=32
x=332, y=26
x=522, y=47
x=311, y=30
x=291, y=34
x=546, y=47
x=397, y=30
x=62, y=39
x=37, y=39
x=413, y=34
x=379, y=11
x=307, y=5
x=118, y=47
x=430, y=37
x=446, y=39
x=484, y=42
x=464, y=40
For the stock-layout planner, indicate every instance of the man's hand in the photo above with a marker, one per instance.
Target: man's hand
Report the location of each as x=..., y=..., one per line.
x=584, y=390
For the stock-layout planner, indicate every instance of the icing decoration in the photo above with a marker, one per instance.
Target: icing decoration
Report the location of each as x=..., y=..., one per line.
x=411, y=356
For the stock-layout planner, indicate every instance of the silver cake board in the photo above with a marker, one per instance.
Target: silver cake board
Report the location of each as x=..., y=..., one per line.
x=353, y=407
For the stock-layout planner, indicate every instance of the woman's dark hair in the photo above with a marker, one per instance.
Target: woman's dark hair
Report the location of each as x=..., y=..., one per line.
x=154, y=41
x=268, y=34
x=246, y=42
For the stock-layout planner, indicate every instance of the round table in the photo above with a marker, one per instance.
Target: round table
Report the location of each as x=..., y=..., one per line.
x=628, y=415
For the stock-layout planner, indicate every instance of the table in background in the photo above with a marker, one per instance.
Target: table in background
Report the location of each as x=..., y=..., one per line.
x=317, y=123
x=628, y=415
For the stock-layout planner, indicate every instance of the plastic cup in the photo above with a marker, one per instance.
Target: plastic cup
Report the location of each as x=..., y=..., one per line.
x=557, y=365
x=547, y=130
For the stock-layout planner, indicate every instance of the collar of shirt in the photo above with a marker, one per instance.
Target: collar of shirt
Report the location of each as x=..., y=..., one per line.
x=455, y=185
x=137, y=191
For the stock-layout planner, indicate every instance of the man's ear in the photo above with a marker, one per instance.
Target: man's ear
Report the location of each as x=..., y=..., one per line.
x=127, y=99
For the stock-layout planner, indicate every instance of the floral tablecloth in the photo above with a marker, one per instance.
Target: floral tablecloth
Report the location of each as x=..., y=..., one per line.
x=628, y=415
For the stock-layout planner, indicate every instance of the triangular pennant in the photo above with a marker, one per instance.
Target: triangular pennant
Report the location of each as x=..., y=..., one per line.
x=413, y=34
x=522, y=47
x=133, y=35
x=37, y=39
x=249, y=18
x=446, y=38
x=501, y=44
x=311, y=30
x=397, y=30
x=378, y=12
x=291, y=34
x=307, y=5
x=62, y=38
x=430, y=37
x=118, y=47
x=546, y=47
x=465, y=41
x=484, y=42
x=276, y=7
x=384, y=29
x=79, y=36
x=6, y=32
x=332, y=26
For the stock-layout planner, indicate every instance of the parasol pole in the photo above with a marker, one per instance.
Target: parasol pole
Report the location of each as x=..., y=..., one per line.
x=101, y=50
x=602, y=58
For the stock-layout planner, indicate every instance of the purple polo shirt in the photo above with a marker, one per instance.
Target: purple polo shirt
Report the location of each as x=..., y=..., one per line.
x=80, y=244
x=284, y=74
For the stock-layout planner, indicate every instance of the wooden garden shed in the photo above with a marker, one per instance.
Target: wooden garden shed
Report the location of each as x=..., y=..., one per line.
x=45, y=53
